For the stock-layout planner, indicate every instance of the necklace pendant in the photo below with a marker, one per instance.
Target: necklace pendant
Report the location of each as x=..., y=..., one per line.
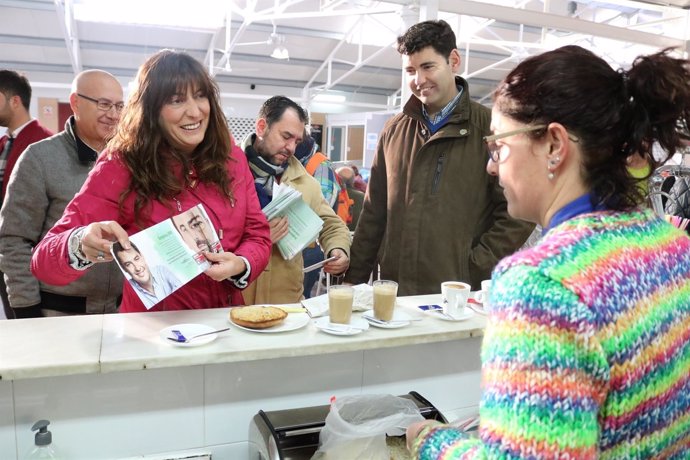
x=179, y=205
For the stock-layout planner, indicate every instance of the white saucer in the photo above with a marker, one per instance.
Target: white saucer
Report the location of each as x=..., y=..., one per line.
x=292, y=322
x=356, y=326
x=400, y=319
x=466, y=314
x=188, y=330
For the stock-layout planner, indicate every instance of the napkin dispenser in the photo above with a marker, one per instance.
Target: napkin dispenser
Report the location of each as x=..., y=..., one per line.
x=293, y=434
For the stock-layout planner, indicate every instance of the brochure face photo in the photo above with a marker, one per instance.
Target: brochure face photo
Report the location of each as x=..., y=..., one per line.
x=164, y=257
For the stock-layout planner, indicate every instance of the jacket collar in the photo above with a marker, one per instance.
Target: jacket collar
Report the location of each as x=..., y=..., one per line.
x=85, y=153
x=294, y=170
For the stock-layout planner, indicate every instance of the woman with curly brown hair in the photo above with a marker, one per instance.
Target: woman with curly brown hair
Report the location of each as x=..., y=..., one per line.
x=172, y=151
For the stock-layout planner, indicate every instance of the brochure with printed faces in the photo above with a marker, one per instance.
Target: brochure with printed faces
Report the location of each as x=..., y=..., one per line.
x=166, y=256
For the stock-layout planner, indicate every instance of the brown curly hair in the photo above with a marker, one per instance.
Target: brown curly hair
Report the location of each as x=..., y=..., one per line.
x=615, y=114
x=141, y=143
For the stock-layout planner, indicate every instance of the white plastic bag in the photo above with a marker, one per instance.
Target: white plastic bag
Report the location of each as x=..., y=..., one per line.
x=356, y=426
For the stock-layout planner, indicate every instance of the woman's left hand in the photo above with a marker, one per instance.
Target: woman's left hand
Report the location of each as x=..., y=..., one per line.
x=339, y=265
x=224, y=265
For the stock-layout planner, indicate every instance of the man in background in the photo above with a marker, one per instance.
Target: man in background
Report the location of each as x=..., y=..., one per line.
x=360, y=184
x=22, y=130
x=431, y=212
x=347, y=176
x=45, y=179
x=279, y=129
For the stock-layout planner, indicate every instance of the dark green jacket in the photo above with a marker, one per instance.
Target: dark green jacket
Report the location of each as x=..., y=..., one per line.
x=431, y=210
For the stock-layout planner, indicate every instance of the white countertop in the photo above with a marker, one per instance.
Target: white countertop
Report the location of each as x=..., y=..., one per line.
x=45, y=347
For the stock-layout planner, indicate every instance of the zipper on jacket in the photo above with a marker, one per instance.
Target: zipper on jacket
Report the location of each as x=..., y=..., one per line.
x=437, y=174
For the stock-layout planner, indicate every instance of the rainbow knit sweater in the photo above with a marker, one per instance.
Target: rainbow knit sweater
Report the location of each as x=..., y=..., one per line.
x=587, y=349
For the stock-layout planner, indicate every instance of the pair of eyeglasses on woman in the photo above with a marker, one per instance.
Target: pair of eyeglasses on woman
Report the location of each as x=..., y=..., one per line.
x=104, y=104
x=494, y=149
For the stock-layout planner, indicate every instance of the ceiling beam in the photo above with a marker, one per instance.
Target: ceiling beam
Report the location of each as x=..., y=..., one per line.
x=554, y=21
x=28, y=4
x=129, y=73
x=65, y=13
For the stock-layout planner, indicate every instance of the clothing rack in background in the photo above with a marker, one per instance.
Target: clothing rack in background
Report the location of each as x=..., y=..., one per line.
x=656, y=181
x=659, y=197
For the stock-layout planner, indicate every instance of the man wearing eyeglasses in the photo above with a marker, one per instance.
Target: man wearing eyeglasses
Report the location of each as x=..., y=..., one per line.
x=431, y=212
x=45, y=179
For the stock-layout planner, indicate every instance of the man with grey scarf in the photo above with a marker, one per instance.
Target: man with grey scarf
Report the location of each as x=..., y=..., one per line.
x=270, y=151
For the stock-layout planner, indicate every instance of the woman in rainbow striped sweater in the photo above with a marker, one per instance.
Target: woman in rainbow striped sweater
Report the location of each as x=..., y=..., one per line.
x=587, y=350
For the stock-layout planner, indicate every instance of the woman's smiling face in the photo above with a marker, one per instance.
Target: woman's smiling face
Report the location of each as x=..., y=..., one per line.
x=184, y=119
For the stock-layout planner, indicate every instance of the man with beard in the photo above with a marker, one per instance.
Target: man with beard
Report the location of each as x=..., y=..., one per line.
x=280, y=127
x=197, y=232
x=46, y=177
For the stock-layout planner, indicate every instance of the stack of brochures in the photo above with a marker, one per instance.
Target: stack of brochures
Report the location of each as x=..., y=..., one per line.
x=304, y=225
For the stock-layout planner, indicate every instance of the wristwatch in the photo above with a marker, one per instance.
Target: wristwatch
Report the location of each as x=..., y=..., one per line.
x=76, y=253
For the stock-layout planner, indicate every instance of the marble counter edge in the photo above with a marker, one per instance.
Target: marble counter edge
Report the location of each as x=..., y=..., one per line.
x=80, y=336
x=56, y=370
x=116, y=343
x=233, y=356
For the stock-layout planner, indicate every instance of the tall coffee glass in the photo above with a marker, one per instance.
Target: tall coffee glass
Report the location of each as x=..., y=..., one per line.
x=385, y=293
x=340, y=303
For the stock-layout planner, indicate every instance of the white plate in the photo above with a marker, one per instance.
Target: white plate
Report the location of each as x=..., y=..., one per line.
x=467, y=313
x=292, y=322
x=356, y=326
x=189, y=331
x=400, y=319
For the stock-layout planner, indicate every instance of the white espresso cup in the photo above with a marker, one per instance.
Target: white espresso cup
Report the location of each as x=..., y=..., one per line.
x=455, y=295
x=483, y=295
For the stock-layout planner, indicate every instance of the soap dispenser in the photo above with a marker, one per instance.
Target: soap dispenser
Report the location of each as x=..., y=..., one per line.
x=44, y=448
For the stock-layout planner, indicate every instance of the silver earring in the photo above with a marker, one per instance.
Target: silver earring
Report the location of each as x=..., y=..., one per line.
x=553, y=162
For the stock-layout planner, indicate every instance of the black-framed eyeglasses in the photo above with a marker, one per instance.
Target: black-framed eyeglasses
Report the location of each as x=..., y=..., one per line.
x=494, y=150
x=104, y=104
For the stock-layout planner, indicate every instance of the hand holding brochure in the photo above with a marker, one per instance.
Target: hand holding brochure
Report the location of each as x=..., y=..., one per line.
x=164, y=257
x=304, y=225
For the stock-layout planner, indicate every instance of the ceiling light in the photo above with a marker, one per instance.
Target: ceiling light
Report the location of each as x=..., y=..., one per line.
x=280, y=52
